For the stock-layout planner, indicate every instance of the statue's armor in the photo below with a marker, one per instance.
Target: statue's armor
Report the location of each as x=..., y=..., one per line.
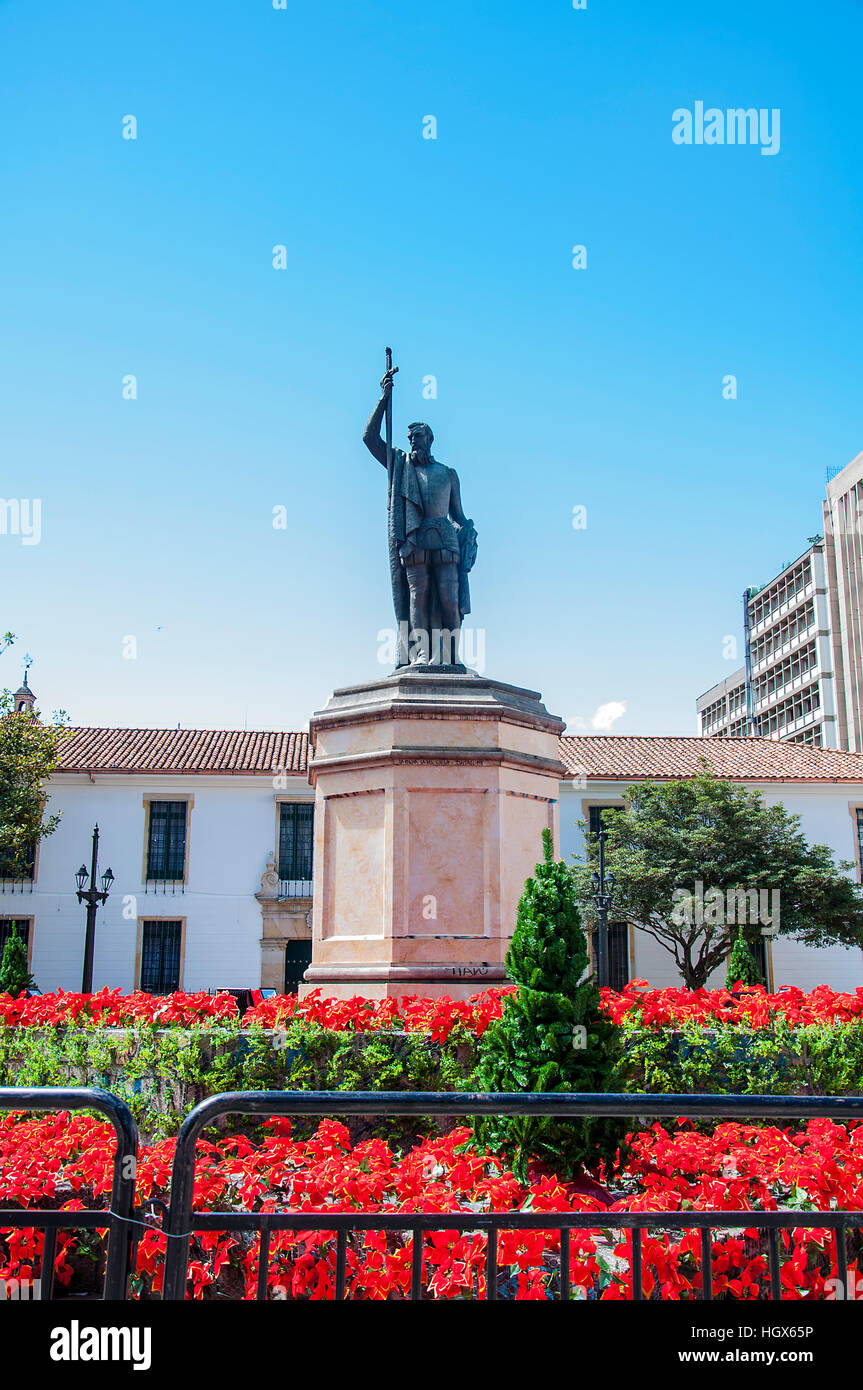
x=436, y=531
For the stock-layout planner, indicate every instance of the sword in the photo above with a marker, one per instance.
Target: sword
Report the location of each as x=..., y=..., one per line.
x=389, y=429
x=396, y=572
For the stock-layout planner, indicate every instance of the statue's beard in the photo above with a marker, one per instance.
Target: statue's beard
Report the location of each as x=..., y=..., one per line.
x=420, y=455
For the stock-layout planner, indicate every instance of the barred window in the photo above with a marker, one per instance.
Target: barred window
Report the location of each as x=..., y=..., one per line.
x=21, y=867
x=618, y=953
x=759, y=951
x=166, y=850
x=10, y=924
x=595, y=816
x=295, y=840
x=160, y=956
x=618, y=932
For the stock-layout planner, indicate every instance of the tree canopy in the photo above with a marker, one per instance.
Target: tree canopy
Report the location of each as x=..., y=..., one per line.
x=28, y=756
x=693, y=857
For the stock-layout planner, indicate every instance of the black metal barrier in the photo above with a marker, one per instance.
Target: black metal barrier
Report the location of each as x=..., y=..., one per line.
x=183, y=1221
x=118, y=1220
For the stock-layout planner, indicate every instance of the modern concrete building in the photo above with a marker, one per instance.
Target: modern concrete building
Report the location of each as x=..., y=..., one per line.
x=722, y=708
x=843, y=540
x=786, y=688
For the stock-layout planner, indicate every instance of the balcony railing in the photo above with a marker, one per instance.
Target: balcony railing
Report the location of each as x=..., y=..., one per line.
x=170, y=887
x=295, y=887
x=16, y=885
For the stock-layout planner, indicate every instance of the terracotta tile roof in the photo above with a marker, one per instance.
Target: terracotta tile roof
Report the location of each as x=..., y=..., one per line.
x=183, y=751
x=598, y=757
x=619, y=757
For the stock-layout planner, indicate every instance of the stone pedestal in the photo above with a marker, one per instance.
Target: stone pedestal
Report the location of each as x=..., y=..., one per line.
x=432, y=788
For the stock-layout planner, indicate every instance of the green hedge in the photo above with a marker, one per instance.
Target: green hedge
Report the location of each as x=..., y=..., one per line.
x=163, y=1073
x=786, y=1059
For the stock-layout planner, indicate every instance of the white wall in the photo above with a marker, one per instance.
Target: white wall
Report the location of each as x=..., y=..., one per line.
x=826, y=818
x=231, y=831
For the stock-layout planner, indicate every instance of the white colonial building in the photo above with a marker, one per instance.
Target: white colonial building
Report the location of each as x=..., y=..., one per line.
x=209, y=836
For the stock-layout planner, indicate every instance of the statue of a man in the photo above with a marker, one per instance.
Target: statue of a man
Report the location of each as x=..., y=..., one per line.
x=432, y=543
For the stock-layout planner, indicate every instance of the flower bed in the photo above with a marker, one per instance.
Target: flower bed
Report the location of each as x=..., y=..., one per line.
x=411, y=1014
x=163, y=1054
x=110, y=1008
x=741, y=1041
x=750, y=1005
x=675, y=1040
x=113, y=1009
x=65, y=1161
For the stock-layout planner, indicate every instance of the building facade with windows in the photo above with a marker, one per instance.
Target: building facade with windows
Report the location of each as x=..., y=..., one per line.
x=786, y=688
x=210, y=838
x=722, y=709
x=843, y=538
x=802, y=677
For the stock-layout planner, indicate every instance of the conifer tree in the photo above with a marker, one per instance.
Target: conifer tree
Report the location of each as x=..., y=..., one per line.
x=552, y=1035
x=742, y=965
x=14, y=974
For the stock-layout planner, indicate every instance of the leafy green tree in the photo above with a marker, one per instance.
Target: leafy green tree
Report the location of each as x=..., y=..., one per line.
x=671, y=837
x=742, y=965
x=552, y=1035
x=14, y=974
x=28, y=756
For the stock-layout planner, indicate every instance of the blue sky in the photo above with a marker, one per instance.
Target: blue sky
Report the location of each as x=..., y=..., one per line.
x=557, y=387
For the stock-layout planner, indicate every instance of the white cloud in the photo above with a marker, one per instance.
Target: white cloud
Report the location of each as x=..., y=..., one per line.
x=608, y=714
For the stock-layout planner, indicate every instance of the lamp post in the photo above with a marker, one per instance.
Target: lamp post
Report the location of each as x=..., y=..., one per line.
x=603, y=893
x=93, y=897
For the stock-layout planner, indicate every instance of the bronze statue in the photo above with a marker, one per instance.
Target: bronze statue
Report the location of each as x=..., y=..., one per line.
x=432, y=543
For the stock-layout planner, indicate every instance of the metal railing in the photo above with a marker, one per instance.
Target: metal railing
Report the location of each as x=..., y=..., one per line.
x=183, y=1220
x=295, y=887
x=167, y=887
x=118, y=1219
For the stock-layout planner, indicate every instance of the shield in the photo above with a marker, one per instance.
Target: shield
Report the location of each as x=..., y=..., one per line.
x=467, y=543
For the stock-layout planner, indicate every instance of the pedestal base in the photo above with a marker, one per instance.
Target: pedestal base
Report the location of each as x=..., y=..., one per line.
x=432, y=788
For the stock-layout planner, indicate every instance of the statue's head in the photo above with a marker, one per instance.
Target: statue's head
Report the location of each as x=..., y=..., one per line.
x=421, y=438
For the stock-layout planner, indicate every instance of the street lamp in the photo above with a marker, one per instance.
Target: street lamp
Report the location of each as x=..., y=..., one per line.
x=93, y=897
x=603, y=893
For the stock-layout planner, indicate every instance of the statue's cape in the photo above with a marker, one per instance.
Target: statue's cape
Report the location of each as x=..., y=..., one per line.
x=397, y=532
